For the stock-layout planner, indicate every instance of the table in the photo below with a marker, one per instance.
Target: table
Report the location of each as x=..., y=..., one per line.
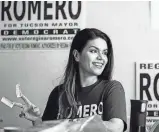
x=90, y=124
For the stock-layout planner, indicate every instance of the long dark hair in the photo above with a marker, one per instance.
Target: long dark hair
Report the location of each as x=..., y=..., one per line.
x=67, y=97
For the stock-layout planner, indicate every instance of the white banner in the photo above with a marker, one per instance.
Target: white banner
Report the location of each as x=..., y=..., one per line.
x=147, y=88
x=40, y=24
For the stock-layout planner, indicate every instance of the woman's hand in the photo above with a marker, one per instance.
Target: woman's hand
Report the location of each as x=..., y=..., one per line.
x=29, y=110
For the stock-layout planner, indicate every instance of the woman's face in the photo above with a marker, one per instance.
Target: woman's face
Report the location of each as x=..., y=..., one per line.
x=93, y=58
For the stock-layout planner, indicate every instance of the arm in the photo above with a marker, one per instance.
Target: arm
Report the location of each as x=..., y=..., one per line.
x=94, y=123
x=32, y=113
x=114, y=108
x=114, y=125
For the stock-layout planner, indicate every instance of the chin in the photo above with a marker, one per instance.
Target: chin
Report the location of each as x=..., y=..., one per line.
x=97, y=73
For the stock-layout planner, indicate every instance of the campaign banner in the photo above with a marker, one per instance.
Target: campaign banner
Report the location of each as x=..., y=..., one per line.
x=147, y=88
x=40, y=24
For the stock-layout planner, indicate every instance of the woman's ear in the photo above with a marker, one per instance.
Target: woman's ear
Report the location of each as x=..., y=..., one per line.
x=76, y=55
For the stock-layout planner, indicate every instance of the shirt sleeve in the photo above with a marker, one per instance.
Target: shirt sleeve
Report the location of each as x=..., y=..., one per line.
x=114, y=104
x=51, y=110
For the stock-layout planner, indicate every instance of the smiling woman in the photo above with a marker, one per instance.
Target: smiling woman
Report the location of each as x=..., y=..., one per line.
x=87, y=87
x=93, y=58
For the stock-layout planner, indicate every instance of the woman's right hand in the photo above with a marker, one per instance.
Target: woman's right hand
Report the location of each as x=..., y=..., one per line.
x=29, y=110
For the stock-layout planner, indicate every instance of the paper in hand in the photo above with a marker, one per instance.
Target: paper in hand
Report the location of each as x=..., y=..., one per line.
x=18, y=91
x=7, y=102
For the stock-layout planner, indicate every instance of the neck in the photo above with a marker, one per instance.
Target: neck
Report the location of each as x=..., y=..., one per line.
x=87, y=80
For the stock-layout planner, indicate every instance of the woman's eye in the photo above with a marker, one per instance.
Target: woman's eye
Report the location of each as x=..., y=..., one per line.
x=93, y=51
x=105, y=52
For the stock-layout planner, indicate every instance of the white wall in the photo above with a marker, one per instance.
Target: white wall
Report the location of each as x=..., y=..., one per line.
x=36, y=71
x=127, y=24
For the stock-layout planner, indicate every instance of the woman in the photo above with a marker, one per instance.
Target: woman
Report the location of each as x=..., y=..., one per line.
x=87, y=88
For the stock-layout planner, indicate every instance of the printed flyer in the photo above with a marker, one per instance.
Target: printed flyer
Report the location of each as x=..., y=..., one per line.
x=39, y=24
x=147, y=77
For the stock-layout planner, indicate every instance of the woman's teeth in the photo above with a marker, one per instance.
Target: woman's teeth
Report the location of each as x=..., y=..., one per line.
x=98, y=64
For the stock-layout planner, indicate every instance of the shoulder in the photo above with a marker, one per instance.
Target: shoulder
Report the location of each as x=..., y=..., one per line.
x=111, y=82
x=56, y=91
x=113, y=86
x=116, y=84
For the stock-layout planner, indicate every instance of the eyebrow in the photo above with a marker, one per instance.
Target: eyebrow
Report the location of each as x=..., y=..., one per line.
x=96, y=48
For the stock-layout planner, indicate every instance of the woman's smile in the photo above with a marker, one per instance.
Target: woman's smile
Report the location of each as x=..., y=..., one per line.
x=98, y=64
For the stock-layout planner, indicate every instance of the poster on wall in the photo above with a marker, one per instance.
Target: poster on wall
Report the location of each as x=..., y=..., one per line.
x=147, y=88
x=40, y=24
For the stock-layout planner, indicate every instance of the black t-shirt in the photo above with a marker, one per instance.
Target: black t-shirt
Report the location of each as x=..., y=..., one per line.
x=106, y=98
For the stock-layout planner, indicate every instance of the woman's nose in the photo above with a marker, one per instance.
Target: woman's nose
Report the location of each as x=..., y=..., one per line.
x=99, y=56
